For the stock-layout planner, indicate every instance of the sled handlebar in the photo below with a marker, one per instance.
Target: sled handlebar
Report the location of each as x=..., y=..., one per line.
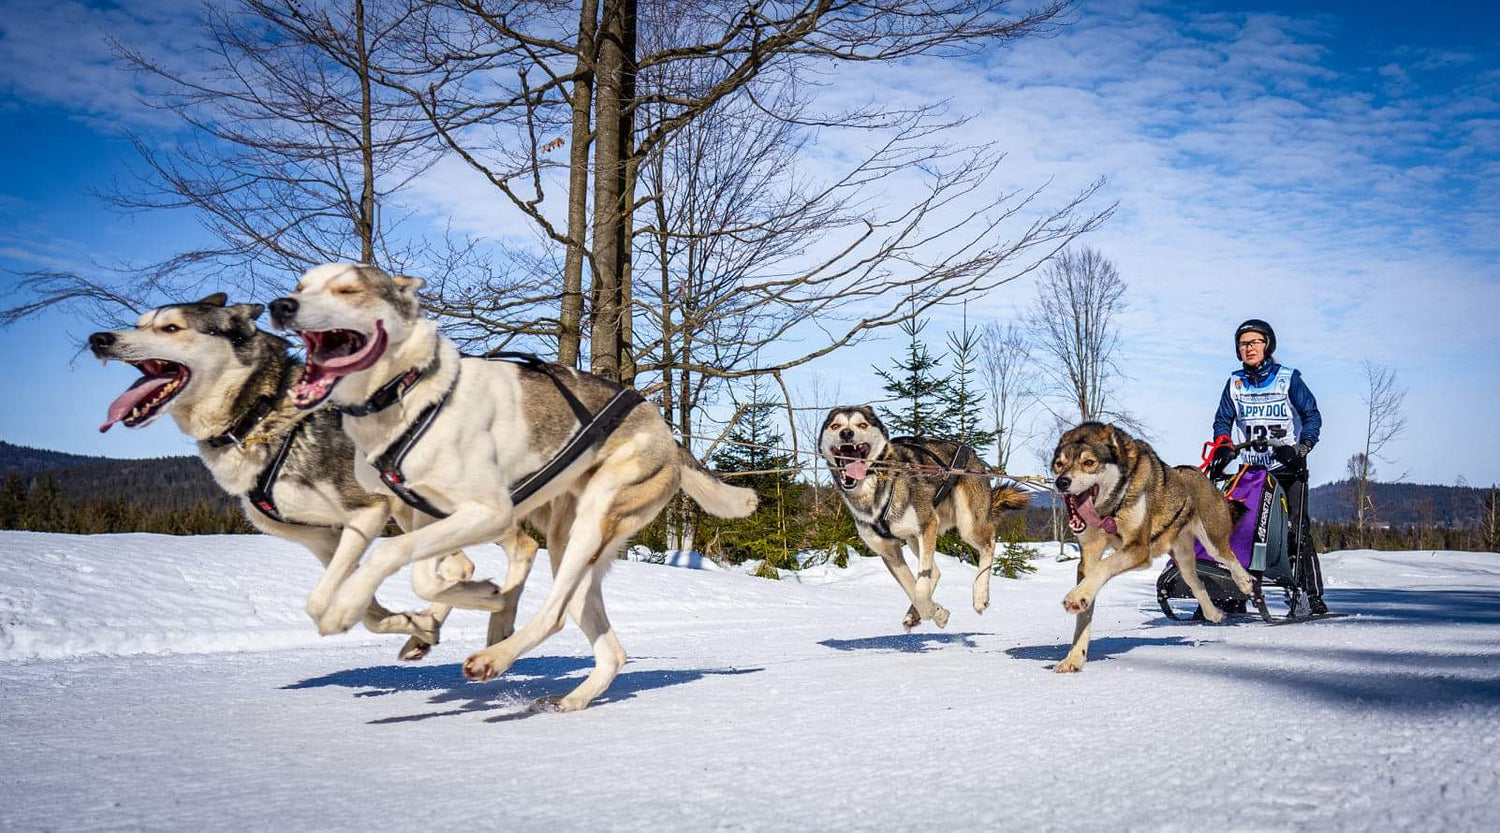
x=1212, y=446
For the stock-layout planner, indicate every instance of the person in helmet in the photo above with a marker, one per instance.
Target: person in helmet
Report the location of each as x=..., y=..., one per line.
x=1268, y=404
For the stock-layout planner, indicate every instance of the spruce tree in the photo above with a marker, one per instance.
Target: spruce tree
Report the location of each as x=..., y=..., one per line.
x=920, y=392
x=12, y=502
x=46, y=508
x=755, y=445
x=963, y=401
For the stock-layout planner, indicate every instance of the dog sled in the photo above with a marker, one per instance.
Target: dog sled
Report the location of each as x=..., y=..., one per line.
x=1262, y=542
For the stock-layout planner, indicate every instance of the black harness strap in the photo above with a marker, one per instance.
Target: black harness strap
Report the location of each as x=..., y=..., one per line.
x=960, y=459
x=593, y=427
x=536, y=364
x=242, y=427
x=881, y=526
x=260, y=493
x=388, y=463
x=389, y=393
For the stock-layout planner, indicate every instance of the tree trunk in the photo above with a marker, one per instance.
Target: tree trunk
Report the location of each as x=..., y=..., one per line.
x=604, y=330
x=629, y=167
x=570, y=320
x=365, y=223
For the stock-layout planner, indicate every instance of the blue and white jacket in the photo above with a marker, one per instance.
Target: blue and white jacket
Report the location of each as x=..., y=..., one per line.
x=1269, y=403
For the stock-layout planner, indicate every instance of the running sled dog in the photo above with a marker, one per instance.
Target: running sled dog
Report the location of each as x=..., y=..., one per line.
x=1121, y=496
x=892, y=502
x=228, y=384
x=480, y=444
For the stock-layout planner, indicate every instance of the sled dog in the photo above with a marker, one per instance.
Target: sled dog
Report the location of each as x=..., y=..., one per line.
x=469, y=433
x=1121, y=496
x=893, y=502
x=227, y=384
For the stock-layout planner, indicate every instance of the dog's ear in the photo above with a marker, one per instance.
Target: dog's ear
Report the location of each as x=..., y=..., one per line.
x=242, y=322
x=407, y=284
x=249, y=312
x=1119, y=442
x=218, y=299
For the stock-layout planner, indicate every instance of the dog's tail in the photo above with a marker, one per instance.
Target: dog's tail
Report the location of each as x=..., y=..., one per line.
x=1008, y=496
x=715, y=496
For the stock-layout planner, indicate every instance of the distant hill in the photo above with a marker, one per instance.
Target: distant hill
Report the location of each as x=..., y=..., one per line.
x=158, y=486
x=1401, y=504
x=26, y=460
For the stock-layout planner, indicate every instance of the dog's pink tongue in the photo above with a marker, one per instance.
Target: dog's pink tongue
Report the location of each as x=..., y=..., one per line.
x=364, y=358
x=1088, y=512
x=132, y=397
x=856, y=470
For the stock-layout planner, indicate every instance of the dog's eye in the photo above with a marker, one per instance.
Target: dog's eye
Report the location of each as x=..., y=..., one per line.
x=346, y=290
x=170, y=328
x=1090, y=465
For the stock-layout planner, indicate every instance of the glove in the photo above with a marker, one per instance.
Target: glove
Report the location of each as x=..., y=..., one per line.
x=1223, y=456
x=1292, y=456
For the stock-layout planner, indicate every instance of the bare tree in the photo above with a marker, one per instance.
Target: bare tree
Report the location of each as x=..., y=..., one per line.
x=1489, y=520
x=1384, y=401
x=292, y=155
x=1011, y=381
x=1079, y=294
x=652, y=71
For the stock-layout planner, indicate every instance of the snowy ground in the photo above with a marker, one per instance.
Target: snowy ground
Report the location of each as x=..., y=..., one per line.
x=150, y=682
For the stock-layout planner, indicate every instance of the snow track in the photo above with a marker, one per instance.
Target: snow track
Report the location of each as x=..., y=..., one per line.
x=151, y=682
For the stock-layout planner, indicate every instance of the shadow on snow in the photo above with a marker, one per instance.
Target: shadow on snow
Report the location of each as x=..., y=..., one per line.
x=530, y=681
x=908, y=643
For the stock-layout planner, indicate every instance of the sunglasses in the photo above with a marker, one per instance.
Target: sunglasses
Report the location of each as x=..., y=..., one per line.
x=1252, y=343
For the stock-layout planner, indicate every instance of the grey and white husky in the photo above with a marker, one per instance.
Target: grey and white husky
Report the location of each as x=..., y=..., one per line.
x=485, y=427
x=228, y=385
x=892, y=501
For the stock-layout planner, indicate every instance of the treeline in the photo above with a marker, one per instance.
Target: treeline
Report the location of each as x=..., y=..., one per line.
x=1402, y=504
x=40, y=504
x=1345, y=536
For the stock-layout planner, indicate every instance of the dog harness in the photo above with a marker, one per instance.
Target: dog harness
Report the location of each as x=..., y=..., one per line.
x=960, y=459
x=593, y=427
x=260, y=494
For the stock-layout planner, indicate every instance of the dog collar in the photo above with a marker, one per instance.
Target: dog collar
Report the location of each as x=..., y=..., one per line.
x=242, y=428
x=390, y=392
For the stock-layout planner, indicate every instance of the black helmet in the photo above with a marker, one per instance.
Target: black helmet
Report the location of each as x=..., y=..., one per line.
x=1255, y=325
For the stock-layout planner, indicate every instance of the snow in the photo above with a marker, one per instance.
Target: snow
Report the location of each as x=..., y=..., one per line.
x=153, y=682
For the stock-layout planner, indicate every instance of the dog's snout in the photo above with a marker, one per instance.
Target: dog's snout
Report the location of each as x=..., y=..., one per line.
x=847, y=434
x=1064, y=482
x=101, y=340
x=282, y=310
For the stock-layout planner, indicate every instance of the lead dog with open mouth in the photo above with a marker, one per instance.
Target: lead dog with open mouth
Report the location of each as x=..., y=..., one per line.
x=1120, y=495
x=479, y=444
x=228, y=385
x=892, y=501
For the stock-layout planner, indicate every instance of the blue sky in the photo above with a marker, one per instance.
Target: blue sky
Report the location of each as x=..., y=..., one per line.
x=1331, y=167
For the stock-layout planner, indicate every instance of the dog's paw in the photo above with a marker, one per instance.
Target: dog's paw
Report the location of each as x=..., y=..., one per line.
x=1212, y=613
x=1245, y=583
x=414, y=649
x=339, y=618
x=317, y=605
x=559, y=704
x=940, y=616
x=1069, y=665
x=423, y=626
x=1077, y=601
x=912, y=618
x=981, y=599
x=485, y=666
